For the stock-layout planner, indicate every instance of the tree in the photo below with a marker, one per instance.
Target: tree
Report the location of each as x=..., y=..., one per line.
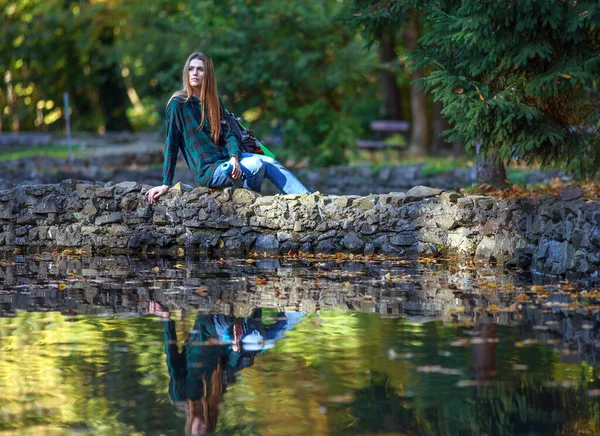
x=518, y=79
x=380, y=21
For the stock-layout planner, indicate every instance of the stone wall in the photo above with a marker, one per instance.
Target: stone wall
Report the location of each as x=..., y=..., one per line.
x=555, y=235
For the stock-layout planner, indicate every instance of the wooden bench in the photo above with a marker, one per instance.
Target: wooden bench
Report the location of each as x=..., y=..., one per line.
x=383, y=129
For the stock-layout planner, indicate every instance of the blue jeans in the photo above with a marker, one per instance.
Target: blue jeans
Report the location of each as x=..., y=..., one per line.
x=256, y=167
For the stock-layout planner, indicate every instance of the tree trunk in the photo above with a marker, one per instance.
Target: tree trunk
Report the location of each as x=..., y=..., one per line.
x=490, y=169
x=113, y=95
x=438, y=145
x=419, y=136
x=390, y=108
x=12, y=102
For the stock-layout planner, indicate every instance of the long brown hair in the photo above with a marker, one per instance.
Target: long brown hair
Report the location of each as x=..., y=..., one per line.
x=206, y=409
x=209, y=96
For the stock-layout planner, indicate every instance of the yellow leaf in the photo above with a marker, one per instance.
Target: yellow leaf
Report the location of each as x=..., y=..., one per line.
x=250, y=261
x=201, y=291
x=565, y=76
x=221, y=243
x=179, y=266
x=156, y=269
x=62, y=287
x=180, y=252
x=480, y=95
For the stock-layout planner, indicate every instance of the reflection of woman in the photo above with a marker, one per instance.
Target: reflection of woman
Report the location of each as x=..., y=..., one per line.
x=198, y=374
x=218, y=346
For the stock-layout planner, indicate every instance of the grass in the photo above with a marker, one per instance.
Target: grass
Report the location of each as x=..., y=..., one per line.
x=53, y=151
x=432, y=165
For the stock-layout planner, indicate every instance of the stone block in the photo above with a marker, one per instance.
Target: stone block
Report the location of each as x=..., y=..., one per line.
x=47, y=204
x=110, y=218
x=404, y=239
x=266, y=242
x=571, y=192
x=421, y=192
x=244, y=196
x=352, y=241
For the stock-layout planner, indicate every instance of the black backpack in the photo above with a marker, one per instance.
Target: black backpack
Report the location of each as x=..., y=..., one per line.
x=248, y=142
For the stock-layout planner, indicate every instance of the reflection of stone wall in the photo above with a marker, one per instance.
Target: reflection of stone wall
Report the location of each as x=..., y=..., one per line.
x=552, y=235
x=421, y=293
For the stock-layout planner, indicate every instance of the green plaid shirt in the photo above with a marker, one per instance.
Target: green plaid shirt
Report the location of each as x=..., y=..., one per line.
x=199, y=150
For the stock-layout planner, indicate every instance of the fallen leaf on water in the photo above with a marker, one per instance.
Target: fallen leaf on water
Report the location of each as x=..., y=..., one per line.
x=344, y=399
x=460, y=343
x=492, y=308
x=62, y=286
x=201, y=291
x=179, y=266
x=525, y=343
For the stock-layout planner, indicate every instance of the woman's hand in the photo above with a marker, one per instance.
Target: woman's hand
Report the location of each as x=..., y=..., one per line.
x=237, y=337
x=153, y=194
x=158, y=309
x=237, y=170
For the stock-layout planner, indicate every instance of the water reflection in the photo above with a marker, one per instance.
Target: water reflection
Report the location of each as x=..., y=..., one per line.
x=273, y=346
x=217, y=347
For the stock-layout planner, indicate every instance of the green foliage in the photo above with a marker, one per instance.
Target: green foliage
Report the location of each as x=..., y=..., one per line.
x=519, y=77
x=374, y=18
x=291, y=63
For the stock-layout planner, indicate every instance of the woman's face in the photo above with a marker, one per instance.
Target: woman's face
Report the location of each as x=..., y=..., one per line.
x=196, y=74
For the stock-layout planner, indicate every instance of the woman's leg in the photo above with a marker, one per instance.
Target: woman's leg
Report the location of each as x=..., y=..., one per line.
x=253, y=172
x=279, y=175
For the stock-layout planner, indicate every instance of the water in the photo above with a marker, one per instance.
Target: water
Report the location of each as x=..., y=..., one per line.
x=327, y=345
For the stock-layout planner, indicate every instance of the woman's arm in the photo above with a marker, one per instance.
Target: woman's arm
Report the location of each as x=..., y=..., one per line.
x=172, y=144
x=233, y=147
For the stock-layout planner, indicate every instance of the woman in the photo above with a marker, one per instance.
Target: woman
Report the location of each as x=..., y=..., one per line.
x=196, y=127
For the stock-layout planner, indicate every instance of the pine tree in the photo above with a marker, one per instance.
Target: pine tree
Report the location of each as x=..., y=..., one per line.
x=518, y=79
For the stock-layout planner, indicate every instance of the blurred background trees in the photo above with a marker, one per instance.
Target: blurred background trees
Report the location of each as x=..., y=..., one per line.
x=520, y=79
